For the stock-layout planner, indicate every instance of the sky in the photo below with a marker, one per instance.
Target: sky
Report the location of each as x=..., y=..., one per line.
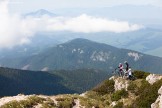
x=23, y=6
x=17, y=30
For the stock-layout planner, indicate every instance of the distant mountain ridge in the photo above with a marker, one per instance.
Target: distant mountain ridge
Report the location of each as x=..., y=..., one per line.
x=14, y=81
x=82, y=53
x=40, y=13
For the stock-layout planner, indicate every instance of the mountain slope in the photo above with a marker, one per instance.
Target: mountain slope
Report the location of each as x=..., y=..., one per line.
x=81, y=79
x=144, y=40
x=116, y=92
x=13, y=81
x=82, y=53
x=156, y=52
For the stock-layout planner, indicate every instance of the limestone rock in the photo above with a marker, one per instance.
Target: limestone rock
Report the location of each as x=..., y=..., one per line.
x=160, y=91
x=113, y=103
x=152, y=78
x=19, y=97
x=158, y=102
x=120, y=83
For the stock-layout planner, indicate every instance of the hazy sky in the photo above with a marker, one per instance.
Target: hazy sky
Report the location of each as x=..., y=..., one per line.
x=17, y=30
x=30, y=5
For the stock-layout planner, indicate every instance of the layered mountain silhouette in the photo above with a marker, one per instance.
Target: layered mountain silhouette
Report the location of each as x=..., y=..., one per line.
x=40, y=13
x=14, y=81
x=81, y=53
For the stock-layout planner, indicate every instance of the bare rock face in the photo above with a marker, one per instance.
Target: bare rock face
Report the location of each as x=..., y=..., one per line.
x=113, y=104
x=158, y=102
x=112, y=78
x=160, y=97
x=5, y=100
x=160, y=91
x=120, y=83
x=152, y=78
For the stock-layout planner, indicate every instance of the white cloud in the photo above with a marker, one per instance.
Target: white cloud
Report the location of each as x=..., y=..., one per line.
x=15, y=2
x=132, y=2
x=15, y=30
x=89, y=24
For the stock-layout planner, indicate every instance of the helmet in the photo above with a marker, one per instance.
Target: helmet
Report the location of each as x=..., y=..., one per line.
x=120, y=63
x=129, y=69
x=125, y=62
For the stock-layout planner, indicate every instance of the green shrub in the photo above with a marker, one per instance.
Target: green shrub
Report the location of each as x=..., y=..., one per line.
x=106, y=87
x=12, y=104
x=34, y=100
x=147, y=94
x=129, y=106
x=94, y=95
x=140, y=74
x=60, y=99
x=89, y=103
x=119, y=105
x=132, y=87
x=31, y=101
x=115, y=97
x=48, y=104
x=144, y=85
x=119, y=94
x=65, y=102
x=107, y=102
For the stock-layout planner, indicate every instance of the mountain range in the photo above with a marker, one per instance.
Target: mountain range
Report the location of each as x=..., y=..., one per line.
x=82, y=53
x=146, y=40
x=55, y=67
x=14, y=81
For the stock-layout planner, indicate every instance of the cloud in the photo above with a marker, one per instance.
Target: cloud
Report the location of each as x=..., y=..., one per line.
x=13, y=30
x=15, y=2
x=133, y=2
x=89, y=24
x=17, y=30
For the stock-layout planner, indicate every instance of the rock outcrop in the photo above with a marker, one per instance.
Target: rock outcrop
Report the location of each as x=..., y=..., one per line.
x=108, y=94
x=158, y=102
x=5, y=100
x=39, y=101
x=120, y=83
x=152, y=78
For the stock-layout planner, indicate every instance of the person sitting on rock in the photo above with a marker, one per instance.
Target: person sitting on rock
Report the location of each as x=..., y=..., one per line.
x=130, y=74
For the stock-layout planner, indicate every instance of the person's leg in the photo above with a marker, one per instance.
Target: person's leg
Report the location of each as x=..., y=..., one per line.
x=130, y=77
x=120, y=73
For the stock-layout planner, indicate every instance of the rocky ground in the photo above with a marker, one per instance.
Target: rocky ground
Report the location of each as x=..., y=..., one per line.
x=116, y=92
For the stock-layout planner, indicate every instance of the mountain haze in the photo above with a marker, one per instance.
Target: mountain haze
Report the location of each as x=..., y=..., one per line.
x=82, y=53
x=147, y=15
